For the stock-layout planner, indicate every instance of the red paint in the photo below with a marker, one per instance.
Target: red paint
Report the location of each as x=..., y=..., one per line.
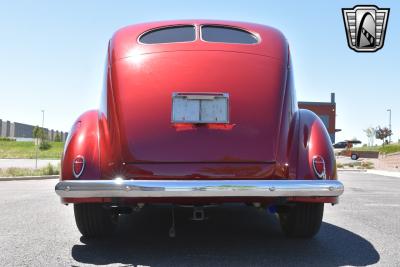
x=82, y=141
x=143, y=93
x=131, y=135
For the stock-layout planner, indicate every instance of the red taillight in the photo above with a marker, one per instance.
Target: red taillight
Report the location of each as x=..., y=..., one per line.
x=78, y=165
x=319, y=166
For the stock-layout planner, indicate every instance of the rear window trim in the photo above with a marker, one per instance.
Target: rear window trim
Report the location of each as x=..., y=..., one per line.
x=255, y=34
x=196, y=34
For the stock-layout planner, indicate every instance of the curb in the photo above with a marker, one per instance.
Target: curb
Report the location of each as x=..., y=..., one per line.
x=26, y=178
x=385, y=173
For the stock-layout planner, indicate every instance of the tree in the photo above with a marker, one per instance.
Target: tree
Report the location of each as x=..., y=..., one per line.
x=57, y=138
x=41, y=139
x=382, y=134
x=37, y=132
x=370, y=132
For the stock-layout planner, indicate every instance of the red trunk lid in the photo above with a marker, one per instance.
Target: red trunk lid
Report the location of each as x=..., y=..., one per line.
x=143, y=87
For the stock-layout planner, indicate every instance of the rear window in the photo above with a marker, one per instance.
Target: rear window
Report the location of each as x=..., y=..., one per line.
x=223, y=34
x=169, y=35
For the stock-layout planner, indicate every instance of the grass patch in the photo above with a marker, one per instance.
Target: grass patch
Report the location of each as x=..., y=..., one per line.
x=13, y=172
x=27, y=150
x=387, y=149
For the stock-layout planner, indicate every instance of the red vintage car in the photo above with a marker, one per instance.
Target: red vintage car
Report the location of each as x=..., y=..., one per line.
x=198, y=112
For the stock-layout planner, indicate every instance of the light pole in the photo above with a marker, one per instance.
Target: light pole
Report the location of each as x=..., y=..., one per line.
x=390, y=123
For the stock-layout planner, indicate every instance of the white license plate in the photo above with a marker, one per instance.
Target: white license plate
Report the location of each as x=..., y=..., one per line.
x=200, y=108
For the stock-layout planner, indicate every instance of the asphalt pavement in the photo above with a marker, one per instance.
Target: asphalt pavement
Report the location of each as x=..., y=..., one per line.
x=364, y=229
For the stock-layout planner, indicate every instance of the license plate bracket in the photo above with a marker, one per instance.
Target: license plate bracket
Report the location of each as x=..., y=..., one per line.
x=200, y=108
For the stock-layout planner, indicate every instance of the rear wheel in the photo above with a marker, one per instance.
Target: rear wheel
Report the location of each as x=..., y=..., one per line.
x=93, y=220
x=354, y=156
x=302, y=220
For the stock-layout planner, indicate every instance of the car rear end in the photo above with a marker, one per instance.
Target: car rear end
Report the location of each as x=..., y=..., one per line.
x=198, y=112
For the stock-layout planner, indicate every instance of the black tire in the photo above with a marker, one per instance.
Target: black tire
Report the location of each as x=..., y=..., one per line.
x=93, y=220
x=302, y=220
x=354, y=156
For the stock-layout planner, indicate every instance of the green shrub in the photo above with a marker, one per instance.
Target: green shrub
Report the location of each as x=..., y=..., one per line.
x=7, y=139
x=44, y=145
x=387, y=149
x=49, y=170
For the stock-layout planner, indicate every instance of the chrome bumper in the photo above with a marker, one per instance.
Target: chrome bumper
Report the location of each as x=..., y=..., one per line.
x=196, y=188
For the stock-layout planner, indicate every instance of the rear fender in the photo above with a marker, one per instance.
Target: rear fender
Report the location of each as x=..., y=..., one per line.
x=83, y=140
x=314, y=140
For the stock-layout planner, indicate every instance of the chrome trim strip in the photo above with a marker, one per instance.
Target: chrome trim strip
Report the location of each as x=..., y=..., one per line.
x=196, y=188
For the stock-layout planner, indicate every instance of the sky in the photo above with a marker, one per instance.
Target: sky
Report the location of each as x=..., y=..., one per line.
x=52, y=55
